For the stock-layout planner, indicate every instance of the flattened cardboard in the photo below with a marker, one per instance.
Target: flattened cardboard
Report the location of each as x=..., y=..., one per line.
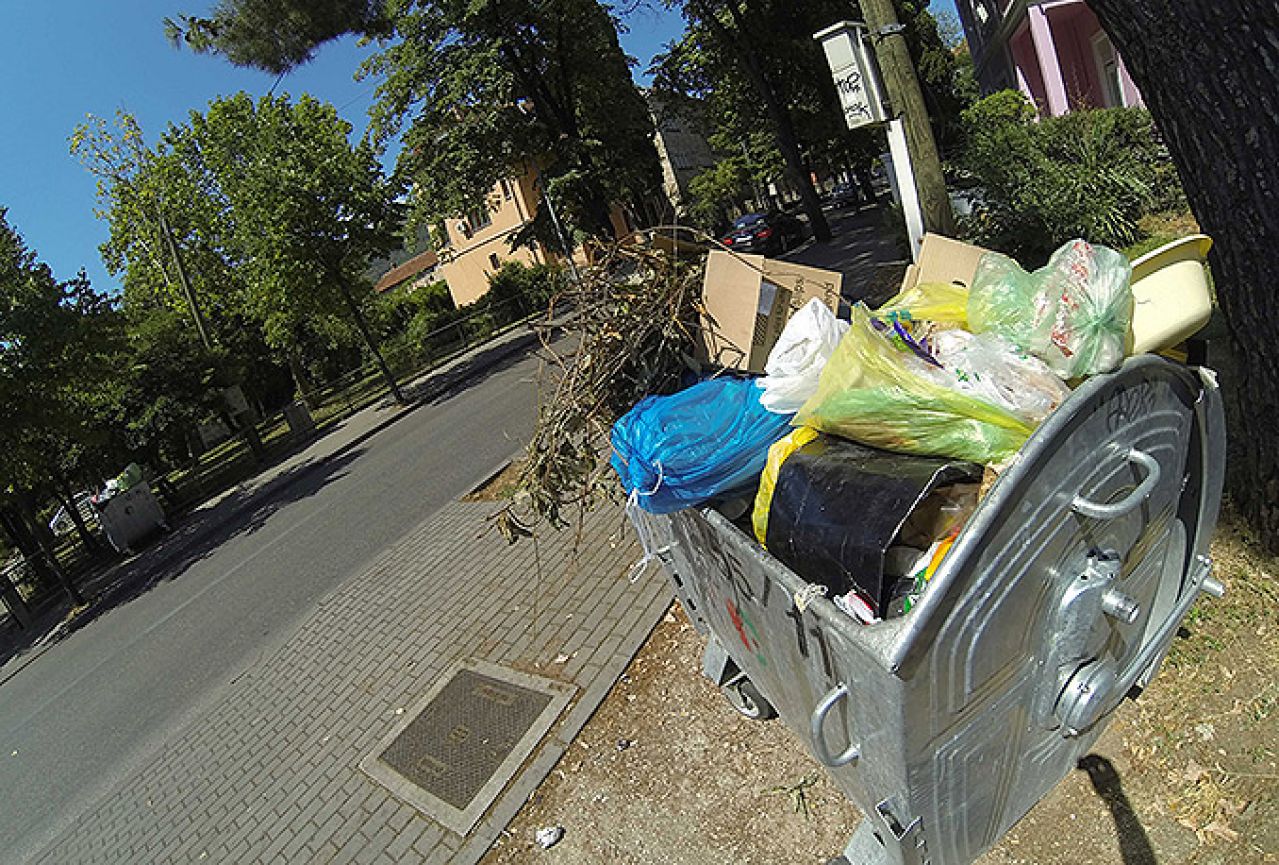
x=749, y=299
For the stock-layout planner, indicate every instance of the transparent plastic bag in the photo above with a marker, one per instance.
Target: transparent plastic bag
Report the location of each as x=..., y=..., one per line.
x=797, y=359
x=1091, y=328
x=989, y=368
x=1012, y=303
x=1073, y=313
x=874, y=393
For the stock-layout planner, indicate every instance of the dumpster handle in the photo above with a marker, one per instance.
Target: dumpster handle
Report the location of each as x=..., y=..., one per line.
x=1097, y=511
x=852, y=753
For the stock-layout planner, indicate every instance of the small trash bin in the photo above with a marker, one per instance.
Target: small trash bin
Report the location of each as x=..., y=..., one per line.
x=1060, y=597
x=299, y=419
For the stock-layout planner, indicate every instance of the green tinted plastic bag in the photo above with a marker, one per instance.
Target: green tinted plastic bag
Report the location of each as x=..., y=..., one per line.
x=876, y=394
x=1073, y=313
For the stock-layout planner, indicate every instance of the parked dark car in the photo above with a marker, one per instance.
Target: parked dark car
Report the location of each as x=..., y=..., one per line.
x=845, y=195
x=767, y=233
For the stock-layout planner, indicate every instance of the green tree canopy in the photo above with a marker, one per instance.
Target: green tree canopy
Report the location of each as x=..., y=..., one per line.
x=280, y=215
x=483, y=89
x=756, y=66
x=55, y=356
x=306, y=209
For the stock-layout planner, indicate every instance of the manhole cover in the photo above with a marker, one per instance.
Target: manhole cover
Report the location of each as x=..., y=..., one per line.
x=457, y=748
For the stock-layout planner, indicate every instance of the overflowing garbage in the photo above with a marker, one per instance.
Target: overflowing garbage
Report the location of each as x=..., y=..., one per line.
x=870, y=436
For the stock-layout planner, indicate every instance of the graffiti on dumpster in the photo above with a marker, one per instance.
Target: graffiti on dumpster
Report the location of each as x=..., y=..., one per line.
x=743, y=623
x=802, y=635
x=1127, y=405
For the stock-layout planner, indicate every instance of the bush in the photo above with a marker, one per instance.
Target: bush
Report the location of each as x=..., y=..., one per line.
x=532, y=285
x=1091, y=174
x=432, y=309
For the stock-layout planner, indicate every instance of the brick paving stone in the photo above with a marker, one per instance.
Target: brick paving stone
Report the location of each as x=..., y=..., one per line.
x=270, y=772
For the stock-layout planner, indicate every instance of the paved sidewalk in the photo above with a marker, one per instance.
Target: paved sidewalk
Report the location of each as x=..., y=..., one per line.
x=271, y=773
x=863, y=250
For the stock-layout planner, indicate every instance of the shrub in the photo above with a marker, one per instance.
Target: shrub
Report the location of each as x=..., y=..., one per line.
x=433, y=308
x=532, y=285
x=1091, y=174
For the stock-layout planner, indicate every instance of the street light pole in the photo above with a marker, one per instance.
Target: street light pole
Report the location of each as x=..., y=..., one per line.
x=187, y=291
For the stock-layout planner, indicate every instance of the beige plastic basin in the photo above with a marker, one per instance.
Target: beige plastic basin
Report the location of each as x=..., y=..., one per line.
x=1170, y=294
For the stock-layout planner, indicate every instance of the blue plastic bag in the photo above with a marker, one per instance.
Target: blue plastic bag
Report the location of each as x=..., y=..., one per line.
x=679, y=451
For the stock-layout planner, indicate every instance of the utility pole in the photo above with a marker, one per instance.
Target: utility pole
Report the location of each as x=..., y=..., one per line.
x=187, y=291
x=902, y=84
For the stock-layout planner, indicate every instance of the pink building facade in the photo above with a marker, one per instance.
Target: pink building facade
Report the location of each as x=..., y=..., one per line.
x=1054, y=51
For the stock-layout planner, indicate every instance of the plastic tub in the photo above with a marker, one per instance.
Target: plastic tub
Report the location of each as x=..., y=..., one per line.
x=1170, y=294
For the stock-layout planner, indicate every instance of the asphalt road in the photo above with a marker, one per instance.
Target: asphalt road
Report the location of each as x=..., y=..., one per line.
x=92, y=710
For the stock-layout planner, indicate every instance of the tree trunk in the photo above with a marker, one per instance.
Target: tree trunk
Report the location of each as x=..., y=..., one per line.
x=42, y=560
x=12, y=598
x=1209, y=73
x=299, y=376
x=66, y=497
x=739, y=42
x=363, y=328
x=907, y=97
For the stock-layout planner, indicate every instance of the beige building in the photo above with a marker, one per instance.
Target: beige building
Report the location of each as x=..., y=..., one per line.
x=478, y=244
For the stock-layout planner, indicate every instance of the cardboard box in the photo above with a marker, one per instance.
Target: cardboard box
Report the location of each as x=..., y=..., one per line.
x=942, y=259
x=749, y=299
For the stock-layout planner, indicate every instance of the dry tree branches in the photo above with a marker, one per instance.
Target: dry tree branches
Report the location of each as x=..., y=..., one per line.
x=636, y=314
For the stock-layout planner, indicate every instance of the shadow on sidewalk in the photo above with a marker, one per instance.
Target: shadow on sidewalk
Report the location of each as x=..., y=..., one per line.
x=193, y=539
x=1134, y=843
x=863, y=249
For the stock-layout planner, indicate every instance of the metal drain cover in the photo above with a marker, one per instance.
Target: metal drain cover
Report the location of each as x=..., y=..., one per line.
x=457, y=748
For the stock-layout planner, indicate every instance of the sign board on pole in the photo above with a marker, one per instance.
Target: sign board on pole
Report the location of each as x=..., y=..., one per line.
x=856, y=76
x=853, y=69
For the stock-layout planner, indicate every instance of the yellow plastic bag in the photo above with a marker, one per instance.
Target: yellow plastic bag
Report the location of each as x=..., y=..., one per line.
x=777, y=455
x=930, y=301
x=876, y=394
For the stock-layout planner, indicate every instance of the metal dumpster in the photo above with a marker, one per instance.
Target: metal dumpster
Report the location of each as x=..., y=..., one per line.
x=131, y=516
x=1059, y=599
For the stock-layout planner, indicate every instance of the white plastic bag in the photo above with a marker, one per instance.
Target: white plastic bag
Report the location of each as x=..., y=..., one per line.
x=797, y=360
x=989, y=368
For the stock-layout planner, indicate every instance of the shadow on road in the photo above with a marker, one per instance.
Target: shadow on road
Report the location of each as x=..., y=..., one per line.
x=1134, y=844
x=193, y=539
x=474, y=370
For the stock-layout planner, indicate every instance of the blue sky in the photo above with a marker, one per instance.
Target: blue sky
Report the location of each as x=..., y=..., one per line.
x=62, y=60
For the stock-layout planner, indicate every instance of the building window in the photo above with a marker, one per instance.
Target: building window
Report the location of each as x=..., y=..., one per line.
x=494, y=261
x=508, y=190
x=479, y=218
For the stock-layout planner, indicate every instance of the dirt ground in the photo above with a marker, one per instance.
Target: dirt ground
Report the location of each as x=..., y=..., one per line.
x=666, y=772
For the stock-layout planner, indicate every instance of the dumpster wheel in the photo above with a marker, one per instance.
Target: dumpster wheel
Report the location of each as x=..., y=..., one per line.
x=743, y=696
